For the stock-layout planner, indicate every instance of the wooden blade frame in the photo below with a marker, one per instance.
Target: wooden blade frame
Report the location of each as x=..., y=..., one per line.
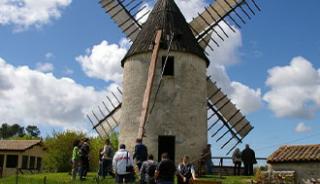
x=124, y=14
x=106, y=117
x=226, y=112
x=207, y=24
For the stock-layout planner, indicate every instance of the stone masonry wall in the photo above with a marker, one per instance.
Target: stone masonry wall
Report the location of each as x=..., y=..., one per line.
x=304, y=171
x=180, y=108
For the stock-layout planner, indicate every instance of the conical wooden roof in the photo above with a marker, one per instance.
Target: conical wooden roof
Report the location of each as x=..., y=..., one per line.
x=166, y=16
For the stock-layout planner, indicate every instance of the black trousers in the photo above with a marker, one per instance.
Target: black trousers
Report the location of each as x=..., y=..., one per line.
x=84, y=167
x=236, y=168
x=248, y=169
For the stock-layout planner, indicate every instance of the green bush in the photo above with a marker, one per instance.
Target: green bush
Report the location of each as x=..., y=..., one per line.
x=59, y=150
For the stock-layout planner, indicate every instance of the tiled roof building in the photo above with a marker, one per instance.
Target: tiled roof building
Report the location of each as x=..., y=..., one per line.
x=296, y=153
x=18, y=145
x=304, y=160
x=24, y=155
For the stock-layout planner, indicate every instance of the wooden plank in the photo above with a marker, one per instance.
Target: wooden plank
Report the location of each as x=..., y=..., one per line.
x=147, y=92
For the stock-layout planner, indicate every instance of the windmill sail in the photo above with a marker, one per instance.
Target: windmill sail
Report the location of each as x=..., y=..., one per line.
x=107, y=116
x=124, y=13
x=207, y=22
x=226, y=112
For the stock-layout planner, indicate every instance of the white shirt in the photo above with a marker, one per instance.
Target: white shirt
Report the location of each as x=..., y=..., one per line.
x=121, y=159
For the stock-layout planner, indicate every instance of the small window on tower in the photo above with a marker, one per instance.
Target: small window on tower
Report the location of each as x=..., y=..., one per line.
x=169, y=65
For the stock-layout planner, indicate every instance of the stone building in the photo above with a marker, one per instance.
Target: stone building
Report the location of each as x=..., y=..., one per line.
x=180, y=110
x=303, y=159
x=20, y=154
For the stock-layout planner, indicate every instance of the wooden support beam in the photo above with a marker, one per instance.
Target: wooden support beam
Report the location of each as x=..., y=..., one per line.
x=147, y=92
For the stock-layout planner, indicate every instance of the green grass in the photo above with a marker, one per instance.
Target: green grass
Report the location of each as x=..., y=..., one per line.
x=64, y=178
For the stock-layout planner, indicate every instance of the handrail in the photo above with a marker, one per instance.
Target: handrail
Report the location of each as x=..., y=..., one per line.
x=230, y=158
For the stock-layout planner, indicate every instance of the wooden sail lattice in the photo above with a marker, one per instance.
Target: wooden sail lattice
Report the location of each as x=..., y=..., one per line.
x=124, y=13
x=106, y=118
x=207, y=25
x=230, y=118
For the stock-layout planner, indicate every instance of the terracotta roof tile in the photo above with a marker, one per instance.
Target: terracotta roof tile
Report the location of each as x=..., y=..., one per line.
x=17, y=145
x=296, y=153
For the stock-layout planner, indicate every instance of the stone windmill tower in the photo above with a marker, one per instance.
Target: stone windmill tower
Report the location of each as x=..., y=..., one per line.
x=166, y=94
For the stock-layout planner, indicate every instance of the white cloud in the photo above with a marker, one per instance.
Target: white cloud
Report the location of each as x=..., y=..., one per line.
x=191, y=8
x=295, y=89
x=25, y=13
x=125, y=43
x=301, y=128
x=44, y=67
x=145, y=13
x=246, y=99
x=30, y=96
x=228, y=53
x=103, y=61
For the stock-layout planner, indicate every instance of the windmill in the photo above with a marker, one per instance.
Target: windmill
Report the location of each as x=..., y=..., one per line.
x=166, y=96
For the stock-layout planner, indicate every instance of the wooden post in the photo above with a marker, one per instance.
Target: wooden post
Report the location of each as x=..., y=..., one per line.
x=147, y=92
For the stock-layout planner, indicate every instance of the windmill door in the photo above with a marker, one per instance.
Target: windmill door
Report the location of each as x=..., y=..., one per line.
x=166, y=144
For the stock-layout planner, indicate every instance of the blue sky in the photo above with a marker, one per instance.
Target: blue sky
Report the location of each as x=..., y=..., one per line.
x=46, y=77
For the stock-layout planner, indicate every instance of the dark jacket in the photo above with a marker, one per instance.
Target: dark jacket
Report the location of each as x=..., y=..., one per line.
x=140, y=153
x=248, y=156
x=84, y=150
x=167, y=170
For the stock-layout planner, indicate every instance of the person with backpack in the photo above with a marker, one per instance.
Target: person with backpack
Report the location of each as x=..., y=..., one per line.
x=186, y=171
x=123, y=165
x=107, y=155
x=140, y=153
x=147, y=171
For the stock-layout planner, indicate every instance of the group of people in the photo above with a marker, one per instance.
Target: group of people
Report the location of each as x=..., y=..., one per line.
x=121, y=165
x=149, y=170
x=247, y=156
x=80, y=158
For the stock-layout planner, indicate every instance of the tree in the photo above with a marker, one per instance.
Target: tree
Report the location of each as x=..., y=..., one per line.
x=17, y=130
x=33, y=131
x=59, y=150
x=8, y=131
